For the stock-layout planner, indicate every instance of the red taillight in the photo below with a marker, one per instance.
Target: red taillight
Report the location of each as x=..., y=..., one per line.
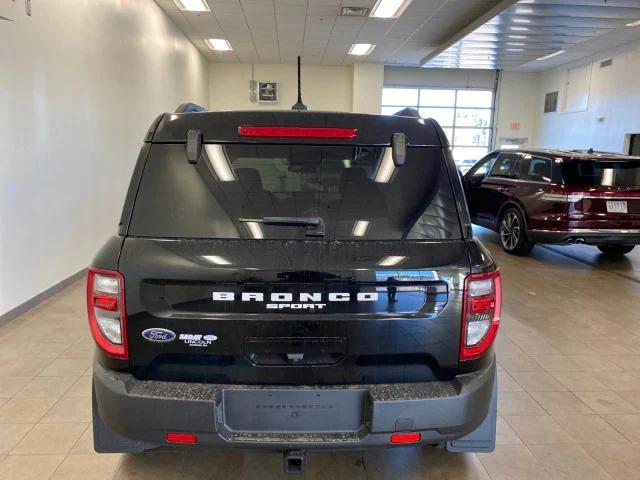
x=480, y=314
x=297, y=132
x=190, y=438
x=411, y=437
x=107, y=316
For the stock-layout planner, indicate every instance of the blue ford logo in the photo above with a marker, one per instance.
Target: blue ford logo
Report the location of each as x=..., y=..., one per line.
x=161, y=335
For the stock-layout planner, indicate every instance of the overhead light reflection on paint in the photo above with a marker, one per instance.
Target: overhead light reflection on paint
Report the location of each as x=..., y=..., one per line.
x=551, y=55
x=386, y=167
x=217, y=259
x=391, y=260
x=360, y=228
x=219, y=162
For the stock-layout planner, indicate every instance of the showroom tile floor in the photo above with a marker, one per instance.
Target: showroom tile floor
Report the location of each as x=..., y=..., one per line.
x=569, y=380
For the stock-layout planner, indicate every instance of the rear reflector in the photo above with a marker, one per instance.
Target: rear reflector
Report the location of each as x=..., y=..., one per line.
x=298, y=132
x=412, y=437
x=190, y=438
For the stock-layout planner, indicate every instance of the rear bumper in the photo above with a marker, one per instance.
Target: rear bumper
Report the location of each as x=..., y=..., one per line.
x=238, y=416
x=587, y=235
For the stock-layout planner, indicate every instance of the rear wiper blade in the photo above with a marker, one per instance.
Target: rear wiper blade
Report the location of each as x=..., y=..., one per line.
x=315, y=225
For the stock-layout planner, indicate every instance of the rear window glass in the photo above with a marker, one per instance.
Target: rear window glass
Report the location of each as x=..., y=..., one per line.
x=356, y=191
x=594, y=173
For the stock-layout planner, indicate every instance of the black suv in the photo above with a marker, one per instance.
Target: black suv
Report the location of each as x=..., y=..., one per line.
x=294, y=280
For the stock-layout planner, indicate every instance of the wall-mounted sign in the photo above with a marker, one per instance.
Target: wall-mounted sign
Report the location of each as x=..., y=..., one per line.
x=267, y=92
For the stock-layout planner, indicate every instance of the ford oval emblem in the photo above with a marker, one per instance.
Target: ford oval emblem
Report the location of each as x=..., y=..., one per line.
x=159, y=335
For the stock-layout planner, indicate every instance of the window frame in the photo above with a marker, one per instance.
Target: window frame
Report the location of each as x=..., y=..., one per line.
x=455, y=107
x=526, y=165
x=517, y=170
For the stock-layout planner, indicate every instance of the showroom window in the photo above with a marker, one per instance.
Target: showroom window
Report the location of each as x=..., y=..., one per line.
x=465, y=115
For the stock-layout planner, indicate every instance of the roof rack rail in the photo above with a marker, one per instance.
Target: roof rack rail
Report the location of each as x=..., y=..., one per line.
x=189, y=108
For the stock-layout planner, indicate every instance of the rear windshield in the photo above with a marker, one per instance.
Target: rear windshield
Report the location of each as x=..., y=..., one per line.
x=356, y=192
x=607, y=174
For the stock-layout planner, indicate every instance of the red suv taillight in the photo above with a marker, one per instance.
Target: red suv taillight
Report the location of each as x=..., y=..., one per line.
x=105, y=306
x=480, y=314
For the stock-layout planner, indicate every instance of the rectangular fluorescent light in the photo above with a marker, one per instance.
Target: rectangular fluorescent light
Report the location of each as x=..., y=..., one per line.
x=255, y=229
x=515, y=49
x=389, y=8
x=516, y=44
x=521, y=20
x=391, y=260
x=360, y=228
x=551, y=55
x=633, y=24
x=519, y=29
x=517, y=37
x=218, y=161
x=386, y=167
x=219, y=44
x=217, y=259
x=192, y=5
x=361, y=49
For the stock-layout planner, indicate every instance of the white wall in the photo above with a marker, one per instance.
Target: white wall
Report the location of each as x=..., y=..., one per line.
x=438, y=77
x=517, y=107
x=80, y=82
x=368, y=79
x=326, y=88
x=613, y=107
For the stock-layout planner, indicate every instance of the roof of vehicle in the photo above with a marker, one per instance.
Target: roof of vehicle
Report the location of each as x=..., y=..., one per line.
x=222, y=127
x=574, y=154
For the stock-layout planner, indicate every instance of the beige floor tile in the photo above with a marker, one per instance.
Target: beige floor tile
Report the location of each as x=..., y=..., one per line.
x=81, y=350
x=11, y=434
x=29, y=467
x=49, y=439
x=579, y=381
x=49, y=350
x=621, y=461
x=9, y=386
x=25, y=410
x=538, y=382
x=88, y=467
x=510, y=462
x=23, y=366
x=620, y=380
x=606, y=402
x=69, y=409
x=505, y=434
x=558, y=363
x=538, y=429
x=568, y=462
x=506, y=383
x=46, y=387
x=438, y=465
x=594, y=363
x=561, y=403
x=589, y=429
x=518, y=403
x=518, y=363
x=63, y=367
x=628, y=425
x=81, y=388
x=85, y=442
x=631, y=396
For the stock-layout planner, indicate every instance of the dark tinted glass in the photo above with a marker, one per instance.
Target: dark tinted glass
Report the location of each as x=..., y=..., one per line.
x=538, y=169
x=357, y=192
x=506, y=166
x=594, y=173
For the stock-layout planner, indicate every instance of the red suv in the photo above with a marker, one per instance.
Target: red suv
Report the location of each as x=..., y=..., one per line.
x=557, y=196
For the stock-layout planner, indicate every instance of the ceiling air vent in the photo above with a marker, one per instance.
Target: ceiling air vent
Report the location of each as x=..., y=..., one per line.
x=354, y=11
x=606, y=63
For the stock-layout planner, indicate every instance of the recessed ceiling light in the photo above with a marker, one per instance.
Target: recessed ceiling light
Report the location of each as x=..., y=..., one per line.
x=192, y=5
x=515, y=49
x=361, y=49
x=519, y=29
x=516, y=44
x=517, y=37
x=389, y=8
x=219, y=44
x=633, y=24
x=521, y=20
x=551, y=55
x=524, y=11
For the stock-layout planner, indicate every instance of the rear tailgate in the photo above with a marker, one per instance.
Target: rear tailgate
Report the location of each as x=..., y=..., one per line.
x=371, y=324
x=603, y=194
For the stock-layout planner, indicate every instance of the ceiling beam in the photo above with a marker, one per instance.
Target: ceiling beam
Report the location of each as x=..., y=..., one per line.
x=481, y=20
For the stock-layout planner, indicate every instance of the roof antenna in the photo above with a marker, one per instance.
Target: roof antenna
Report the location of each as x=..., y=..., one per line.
x=299, y=105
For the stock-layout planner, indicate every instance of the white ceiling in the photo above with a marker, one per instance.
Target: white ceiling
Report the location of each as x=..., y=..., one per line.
x=530, y=29
x=276, y=31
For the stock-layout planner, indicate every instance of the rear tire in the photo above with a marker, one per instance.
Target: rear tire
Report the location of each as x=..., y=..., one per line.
x=615, y=250
x=513, y=233
x=106, y=440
